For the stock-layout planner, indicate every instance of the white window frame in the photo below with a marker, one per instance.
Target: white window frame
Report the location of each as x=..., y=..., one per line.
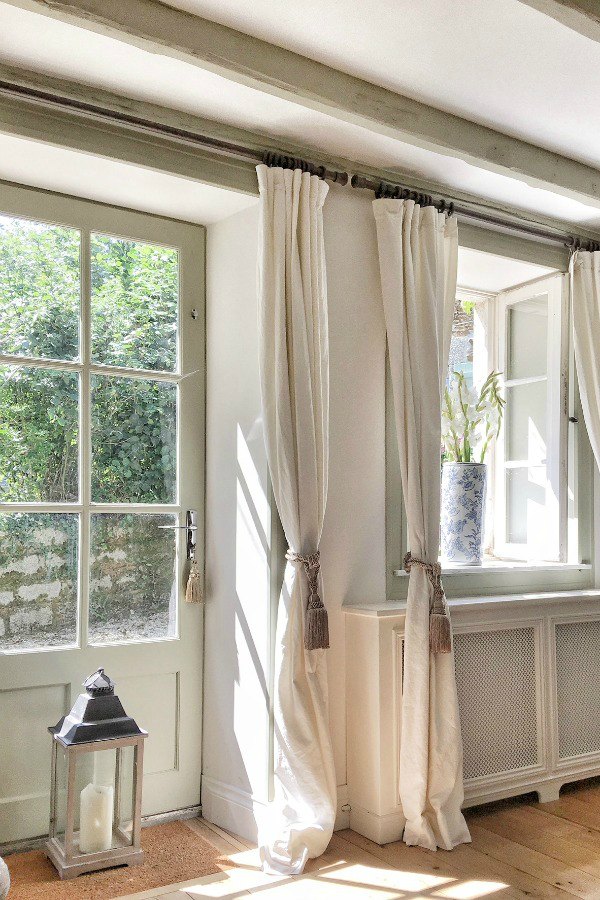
x=552, y=546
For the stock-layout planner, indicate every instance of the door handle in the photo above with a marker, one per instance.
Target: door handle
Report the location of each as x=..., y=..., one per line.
x=191, y=527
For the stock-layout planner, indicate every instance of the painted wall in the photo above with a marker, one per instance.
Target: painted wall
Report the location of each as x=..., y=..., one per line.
x=238, y=618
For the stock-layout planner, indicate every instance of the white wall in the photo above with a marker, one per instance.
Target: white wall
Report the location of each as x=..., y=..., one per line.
x=237, y=626
x=353, y=543
x=236, y=730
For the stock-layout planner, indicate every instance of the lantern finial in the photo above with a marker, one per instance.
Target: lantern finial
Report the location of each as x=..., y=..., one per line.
x=98, y=684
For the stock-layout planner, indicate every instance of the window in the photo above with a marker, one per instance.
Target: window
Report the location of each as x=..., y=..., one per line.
x=89, y=406
x=521, y=333
x=513, y=317
x=531, y=453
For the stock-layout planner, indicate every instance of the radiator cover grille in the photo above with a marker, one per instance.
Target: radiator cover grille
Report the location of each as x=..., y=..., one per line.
x=578, y=688
x=496, y=682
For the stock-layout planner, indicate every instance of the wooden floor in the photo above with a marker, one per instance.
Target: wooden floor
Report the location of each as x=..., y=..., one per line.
x=520, y=849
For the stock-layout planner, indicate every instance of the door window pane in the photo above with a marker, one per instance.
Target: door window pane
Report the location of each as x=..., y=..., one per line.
x=526, y=422
x=135, y=290
x=38, y=435
x=527, y=333
x=38, y=580
x=39, y=289
x=134, y=440
x=132, y=578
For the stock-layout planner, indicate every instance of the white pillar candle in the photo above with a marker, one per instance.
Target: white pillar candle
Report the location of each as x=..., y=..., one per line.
x=96, y=818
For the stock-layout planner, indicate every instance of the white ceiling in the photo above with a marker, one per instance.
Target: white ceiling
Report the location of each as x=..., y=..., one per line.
x=482, y=271
x=500, y=63
x=496, y=62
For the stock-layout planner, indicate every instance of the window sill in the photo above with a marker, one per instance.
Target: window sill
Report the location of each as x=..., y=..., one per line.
x=505, y=566
x=534, y=598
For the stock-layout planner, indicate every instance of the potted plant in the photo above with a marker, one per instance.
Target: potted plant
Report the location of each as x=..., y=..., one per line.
x=471, y=420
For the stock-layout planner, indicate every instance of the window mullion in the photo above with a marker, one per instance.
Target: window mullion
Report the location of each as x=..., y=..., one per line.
x=499, y=512
x=85, y=439
x=562, y=350
x=554, y=427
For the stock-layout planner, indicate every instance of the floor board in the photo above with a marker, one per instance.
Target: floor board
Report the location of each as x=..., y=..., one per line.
x=520, y=849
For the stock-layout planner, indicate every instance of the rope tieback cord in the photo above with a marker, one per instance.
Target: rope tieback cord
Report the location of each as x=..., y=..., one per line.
x=316, y=624
x=440, y=633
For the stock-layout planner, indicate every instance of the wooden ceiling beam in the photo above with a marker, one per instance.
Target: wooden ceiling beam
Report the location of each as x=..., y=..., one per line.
x=582, y=16
x=159, y=28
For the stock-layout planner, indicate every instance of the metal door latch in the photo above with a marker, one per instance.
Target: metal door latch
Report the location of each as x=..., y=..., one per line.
x=191, y=527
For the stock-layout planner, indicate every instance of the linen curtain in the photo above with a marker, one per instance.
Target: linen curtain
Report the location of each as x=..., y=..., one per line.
x=585, y=273
x=418, y=250
x=294, y=372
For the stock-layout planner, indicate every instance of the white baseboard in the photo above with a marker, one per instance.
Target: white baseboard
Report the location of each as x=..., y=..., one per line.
x=236, y=810
x=229, y=807
x=380, y=829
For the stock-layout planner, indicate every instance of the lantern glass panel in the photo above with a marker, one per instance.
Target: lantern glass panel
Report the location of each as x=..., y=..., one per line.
x=95, y=801
x=125, y=799
x=60, y=809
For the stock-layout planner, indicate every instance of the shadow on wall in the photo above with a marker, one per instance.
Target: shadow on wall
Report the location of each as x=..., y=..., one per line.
x=238, y=729
x=252, y=557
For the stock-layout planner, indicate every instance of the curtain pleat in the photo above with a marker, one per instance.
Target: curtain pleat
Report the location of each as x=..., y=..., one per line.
x=294, y=372
x=418, y=251
x=586, y=326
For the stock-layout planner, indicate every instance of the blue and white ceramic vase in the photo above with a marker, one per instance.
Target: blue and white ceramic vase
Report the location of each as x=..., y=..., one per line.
x=463, y=513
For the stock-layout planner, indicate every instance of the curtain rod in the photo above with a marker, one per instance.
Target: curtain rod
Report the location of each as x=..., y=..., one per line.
x=400, y=192
x=272, y=158
x=182, y=135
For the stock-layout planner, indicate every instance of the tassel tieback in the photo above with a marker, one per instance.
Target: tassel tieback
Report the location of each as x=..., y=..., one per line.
x=316, y=624
x=440, y=632
x=193, y=589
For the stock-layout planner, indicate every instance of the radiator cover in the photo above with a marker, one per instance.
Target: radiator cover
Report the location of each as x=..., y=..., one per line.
x=496, y=683
x=578, y=688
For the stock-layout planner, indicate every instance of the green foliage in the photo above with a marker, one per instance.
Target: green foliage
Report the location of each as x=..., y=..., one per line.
x=134, y=324
x=38, y=434
x=134, y=304
x=39, y=289
x=134, y=448
x=471, y=420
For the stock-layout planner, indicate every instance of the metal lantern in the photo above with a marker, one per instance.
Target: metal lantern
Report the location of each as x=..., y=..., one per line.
x=96, y=784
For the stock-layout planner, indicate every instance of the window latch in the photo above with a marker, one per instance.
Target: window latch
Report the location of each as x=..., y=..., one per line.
x=573, y=419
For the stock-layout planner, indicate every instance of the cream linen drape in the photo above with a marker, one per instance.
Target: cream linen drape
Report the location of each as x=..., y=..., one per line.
x=294, y=370
x=418, y=251
x=586, y=325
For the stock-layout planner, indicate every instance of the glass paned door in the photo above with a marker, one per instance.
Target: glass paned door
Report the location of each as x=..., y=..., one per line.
x=101, y=454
